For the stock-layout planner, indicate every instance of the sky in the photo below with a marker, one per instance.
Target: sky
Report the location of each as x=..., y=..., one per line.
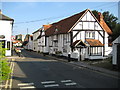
x=32, y=15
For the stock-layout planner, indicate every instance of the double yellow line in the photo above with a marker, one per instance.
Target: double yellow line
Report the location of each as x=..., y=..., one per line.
x=8, y=83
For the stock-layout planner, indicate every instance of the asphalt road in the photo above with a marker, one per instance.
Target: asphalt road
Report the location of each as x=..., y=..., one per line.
x=37, y=71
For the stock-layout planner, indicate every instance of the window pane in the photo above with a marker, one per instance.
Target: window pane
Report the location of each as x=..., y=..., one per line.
x=3, y=43
x=8, y=45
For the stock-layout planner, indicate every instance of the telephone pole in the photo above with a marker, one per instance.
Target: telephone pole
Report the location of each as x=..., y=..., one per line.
x=27, y=30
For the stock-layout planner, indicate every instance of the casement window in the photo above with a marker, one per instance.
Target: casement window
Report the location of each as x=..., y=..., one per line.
x=95, y=50
x=50, y=41
x=65, y=39
x=56, y=44
x=90, y=34
x=8, y=45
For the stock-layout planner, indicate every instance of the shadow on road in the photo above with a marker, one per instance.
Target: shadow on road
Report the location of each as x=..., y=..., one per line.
x=31, y=54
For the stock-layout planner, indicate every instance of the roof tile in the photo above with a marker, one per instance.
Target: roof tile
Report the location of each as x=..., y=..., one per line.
x=94, y=42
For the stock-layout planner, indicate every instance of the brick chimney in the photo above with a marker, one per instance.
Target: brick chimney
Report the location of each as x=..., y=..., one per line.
x=100, y=17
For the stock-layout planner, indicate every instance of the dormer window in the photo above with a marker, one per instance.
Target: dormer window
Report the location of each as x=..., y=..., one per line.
x=56, y=30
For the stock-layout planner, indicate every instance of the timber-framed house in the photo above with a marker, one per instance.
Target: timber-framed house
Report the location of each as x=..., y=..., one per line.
x=81, y=36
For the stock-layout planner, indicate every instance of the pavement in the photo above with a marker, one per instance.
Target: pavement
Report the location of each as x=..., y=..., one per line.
x=86, y=65
x=79, y=64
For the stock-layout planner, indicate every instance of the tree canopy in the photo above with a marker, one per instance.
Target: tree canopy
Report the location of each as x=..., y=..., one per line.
x=111, y=21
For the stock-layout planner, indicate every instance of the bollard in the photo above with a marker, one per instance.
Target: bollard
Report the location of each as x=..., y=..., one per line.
x=68, y=57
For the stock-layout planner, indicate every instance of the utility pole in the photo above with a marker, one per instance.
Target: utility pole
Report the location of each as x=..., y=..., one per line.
x=27, y=30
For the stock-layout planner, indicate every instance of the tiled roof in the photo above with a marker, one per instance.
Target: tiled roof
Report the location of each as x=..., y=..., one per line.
x=78, y=42
x=36, y=31
x=46, y=26
x=64, y=25
x=16, y=41
x=94, y=42
x=103, y=24
x=3, y=17
x=105, y=27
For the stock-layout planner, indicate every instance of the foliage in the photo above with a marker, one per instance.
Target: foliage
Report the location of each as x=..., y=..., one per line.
x=58, y=52
x=95, y=12
x=4, y=67
x=116, y=31
x=19, y=39
x=110, y=19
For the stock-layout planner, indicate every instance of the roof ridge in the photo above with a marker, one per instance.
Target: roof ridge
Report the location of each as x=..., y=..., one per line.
x=4, y=17
x=70, y=16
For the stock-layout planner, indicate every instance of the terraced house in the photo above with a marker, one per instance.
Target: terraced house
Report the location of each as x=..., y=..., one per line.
x=81, y=36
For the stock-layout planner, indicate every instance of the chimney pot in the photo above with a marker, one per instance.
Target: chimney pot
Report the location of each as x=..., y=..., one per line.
x=100, y=16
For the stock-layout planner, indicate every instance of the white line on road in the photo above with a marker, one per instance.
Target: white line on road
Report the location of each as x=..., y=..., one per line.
x=68, y=84
x=66, y=81
x=47, y=82
x=25, y=84
x=52, y=85
x=29, y=87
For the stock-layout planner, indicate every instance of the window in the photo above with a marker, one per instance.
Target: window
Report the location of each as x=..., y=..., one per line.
x=3, y=43
x=96, y=50
x=56, y=44
x=90, y=34
x=8, y=45
x=65, y=48
x=64, y=39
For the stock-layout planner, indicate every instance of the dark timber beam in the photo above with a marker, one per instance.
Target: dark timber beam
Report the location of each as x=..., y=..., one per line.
x=86, y=30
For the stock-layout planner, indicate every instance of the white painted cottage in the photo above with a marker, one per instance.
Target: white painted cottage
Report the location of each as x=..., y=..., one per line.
x=42, y=39
x=82, y=36
x=35, y=40
x=116, y=52
x=6, y=25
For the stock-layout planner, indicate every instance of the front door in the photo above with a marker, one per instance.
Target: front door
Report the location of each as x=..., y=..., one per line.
x=81, y=54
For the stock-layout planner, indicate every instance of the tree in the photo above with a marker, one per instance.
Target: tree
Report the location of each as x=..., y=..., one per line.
x=95, y=12
x=110, y=19
x=116, y=31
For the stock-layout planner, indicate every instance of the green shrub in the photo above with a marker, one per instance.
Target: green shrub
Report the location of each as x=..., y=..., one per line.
x=5, y=69
x=58, y=52
x=4, y=65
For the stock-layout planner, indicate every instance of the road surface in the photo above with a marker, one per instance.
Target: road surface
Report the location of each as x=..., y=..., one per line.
x=38, y=71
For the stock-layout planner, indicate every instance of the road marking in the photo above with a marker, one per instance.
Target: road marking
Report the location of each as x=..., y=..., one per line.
x=12, y=75
x=25, y=84
x=66, y=81
x=47, y=82
x=53, y=85
x=29, y=87
x=69, y=84
x=7, y=82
